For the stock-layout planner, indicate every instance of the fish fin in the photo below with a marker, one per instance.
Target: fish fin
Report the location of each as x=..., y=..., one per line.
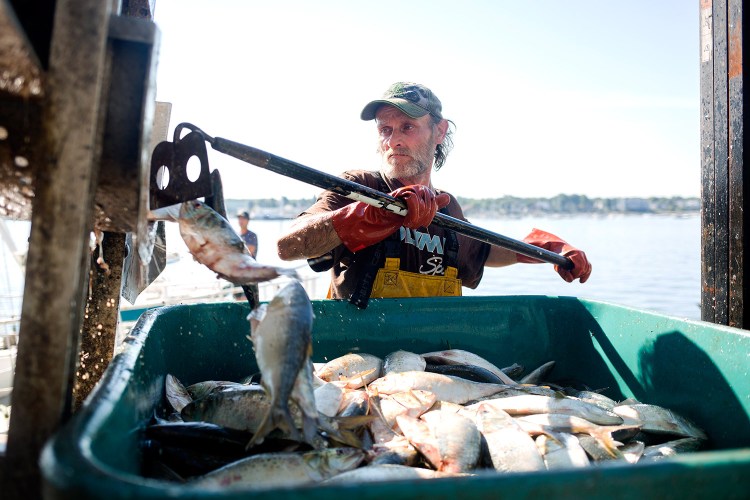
x=357, y=378
x=354, y=421
x=347, y=438
x=342, y=434
x=176, y=393
x=310, y=425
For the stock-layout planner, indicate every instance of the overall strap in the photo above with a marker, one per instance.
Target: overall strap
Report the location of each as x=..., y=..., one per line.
x=375, y=257
x=451, y=245
x=391, y=248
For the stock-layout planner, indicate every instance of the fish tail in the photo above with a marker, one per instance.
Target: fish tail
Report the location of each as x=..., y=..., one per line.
x=285, y=422
x=277, y=417
x=282, y=271
x=263, y=428
x=604, y=436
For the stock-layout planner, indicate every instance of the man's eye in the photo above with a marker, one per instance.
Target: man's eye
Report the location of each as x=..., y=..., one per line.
x=385, y=131
x=408, y=127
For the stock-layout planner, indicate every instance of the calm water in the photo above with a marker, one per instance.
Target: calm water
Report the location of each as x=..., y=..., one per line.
x=647, y=262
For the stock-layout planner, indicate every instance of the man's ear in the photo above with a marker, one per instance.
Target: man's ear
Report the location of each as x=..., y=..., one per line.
x=442, y=129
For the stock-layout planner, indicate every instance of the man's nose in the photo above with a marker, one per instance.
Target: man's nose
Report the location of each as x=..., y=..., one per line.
x=395, y=139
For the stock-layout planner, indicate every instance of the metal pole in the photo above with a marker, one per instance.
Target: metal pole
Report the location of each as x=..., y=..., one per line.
x=371, y=196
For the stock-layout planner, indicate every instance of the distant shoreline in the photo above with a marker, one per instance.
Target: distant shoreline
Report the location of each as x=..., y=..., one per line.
x=507, y=206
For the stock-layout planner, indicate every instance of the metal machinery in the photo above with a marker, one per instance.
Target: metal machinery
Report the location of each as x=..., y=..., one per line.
x=76, y=113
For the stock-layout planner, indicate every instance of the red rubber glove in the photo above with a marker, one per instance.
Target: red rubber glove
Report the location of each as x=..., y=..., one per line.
x=360, y=225
x=548, y=241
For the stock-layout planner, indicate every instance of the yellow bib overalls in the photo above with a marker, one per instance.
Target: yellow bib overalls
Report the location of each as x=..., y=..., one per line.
x=387, y=280
x=393, y=282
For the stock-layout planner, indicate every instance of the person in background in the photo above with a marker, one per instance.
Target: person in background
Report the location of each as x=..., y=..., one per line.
x=249, y=237
x=372, y=252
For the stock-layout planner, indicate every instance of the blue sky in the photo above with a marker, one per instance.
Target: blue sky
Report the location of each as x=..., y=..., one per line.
x=599, y=98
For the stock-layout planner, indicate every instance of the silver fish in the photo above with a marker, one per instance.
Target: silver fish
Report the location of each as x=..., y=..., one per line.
x=283, y=345
x=510, y=448
x=275, y=470
x=449, y=441
x=202, y=389
x=213, y=242
x=671, y=448
x=357, y=370
x=241, y=408
x=597, y=399
x=659, y=420
x=538, y=375
x=533, y=404
x=445, y=387
x=562, y=451
x=546, y=423
x=386, y=472
x=469, y=372
x=403, y=361
x=460, y=357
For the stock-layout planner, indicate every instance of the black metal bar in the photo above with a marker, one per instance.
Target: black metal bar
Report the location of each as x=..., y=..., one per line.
x=709, y=271
x=721, y=163
x=738, y=203
x=358, y=192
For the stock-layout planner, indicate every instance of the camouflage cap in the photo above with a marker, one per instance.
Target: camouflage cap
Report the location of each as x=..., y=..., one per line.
x=412, y=98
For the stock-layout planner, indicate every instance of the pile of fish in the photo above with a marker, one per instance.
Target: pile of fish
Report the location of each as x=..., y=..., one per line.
x=360, y=418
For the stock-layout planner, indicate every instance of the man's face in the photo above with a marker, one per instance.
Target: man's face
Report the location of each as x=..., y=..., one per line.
x=406, y=145
x=242, y=222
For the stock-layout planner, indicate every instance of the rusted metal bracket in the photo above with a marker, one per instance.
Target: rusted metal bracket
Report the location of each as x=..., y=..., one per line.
x=170, y=181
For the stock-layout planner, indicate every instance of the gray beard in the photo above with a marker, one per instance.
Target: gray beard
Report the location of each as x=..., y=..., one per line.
x=412, y=169
x=420, y=163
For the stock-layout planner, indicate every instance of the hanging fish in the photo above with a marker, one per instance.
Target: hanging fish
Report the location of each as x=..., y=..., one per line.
x=212, y=242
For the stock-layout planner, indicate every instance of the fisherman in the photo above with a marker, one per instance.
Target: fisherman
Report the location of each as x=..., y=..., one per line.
x=249, y=237
x=372, y=252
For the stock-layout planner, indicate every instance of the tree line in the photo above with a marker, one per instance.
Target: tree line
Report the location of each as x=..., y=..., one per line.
x=512, y=206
